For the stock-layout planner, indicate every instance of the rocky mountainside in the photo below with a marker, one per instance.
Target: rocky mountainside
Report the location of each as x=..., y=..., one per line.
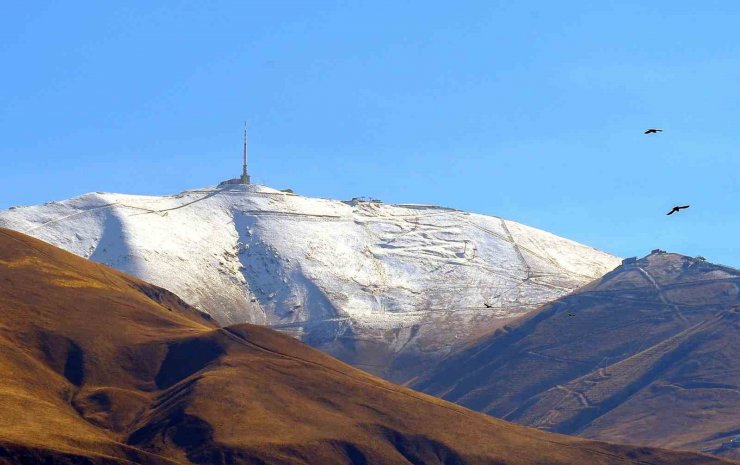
x=648, y=355
x=102, y=368
x=385, y=287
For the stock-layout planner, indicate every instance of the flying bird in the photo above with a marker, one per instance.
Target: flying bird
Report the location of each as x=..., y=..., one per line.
x=653, y=131
x=487, y=305
x=571, y=314
x=677, y=208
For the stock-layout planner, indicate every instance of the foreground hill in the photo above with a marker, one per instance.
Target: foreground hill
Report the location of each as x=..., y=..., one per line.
x=646, y=355
x=384, y=287
x=101, y=368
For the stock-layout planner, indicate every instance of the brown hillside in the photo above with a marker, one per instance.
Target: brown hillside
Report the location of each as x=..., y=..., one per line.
x=646, y=355
x=101, y=368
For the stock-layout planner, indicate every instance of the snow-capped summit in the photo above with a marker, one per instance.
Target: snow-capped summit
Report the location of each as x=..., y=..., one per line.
x=366, y=281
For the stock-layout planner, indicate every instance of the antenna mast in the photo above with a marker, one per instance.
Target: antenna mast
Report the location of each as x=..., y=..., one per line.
x=245, y=176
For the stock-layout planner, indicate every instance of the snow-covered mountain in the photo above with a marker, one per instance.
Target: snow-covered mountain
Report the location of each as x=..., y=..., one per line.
x=381, y=286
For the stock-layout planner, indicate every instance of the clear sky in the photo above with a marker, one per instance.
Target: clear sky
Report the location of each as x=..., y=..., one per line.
x=532, y=111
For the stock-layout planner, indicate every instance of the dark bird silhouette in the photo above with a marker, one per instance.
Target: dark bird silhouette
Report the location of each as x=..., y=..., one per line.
x=571, y=314
x=653, y=131
x=677, y=208
x=487, y=305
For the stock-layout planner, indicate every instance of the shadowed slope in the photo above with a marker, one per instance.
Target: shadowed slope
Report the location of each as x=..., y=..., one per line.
x=101, y=368
x=645, y=355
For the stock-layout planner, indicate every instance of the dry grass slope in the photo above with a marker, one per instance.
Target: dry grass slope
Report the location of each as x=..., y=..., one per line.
x=101, y=368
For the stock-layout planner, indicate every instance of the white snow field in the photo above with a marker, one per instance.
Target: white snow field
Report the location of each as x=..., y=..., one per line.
x=368, y=282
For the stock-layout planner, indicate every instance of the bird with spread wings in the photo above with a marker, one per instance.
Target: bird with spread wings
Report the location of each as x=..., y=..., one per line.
x=677, y=208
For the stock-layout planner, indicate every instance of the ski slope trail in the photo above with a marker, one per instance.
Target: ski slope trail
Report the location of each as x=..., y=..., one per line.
x=386, y=287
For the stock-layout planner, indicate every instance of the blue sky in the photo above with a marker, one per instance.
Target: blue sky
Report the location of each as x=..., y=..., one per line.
x=527, y=110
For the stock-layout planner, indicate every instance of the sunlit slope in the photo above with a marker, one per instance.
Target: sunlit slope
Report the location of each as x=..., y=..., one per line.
x=646, y=355
x=101, y=368
x=362, y=280
x=70, y=331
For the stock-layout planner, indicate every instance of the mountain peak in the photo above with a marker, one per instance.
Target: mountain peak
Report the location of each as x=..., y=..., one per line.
x=669, y=268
